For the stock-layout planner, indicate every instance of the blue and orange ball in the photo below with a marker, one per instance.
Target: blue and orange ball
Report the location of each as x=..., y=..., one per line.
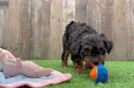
x=99, y=73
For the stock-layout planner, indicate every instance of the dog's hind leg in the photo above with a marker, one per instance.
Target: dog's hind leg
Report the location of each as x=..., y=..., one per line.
x=64, y=57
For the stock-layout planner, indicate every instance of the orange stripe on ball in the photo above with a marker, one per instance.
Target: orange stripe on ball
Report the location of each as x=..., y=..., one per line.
x=93, y=73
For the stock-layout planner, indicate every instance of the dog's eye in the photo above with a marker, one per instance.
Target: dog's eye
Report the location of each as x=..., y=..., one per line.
x=101, y=51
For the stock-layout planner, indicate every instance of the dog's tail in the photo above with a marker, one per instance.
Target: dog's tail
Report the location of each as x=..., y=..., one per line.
x=70, y=26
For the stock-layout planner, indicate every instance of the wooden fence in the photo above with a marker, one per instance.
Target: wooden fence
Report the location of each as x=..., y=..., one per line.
x=34, y=28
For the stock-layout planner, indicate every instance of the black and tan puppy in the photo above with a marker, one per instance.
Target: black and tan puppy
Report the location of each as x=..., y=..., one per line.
x=86, y=46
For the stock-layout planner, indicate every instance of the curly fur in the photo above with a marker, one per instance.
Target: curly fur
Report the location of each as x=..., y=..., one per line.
x=86, y=46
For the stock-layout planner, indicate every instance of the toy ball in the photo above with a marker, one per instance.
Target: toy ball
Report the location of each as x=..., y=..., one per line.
x=99, y=73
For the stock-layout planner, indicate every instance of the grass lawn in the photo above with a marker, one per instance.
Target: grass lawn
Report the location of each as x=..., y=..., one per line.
x=121, y=75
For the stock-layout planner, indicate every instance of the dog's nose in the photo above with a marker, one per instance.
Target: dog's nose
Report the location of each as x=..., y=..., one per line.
x=96, y=63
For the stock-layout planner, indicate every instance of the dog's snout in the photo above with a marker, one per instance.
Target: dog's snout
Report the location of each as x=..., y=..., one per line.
x=91, y=61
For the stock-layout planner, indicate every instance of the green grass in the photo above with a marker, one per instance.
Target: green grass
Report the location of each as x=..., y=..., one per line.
x=121, y=75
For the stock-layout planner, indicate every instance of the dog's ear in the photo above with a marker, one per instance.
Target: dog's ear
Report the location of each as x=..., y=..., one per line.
x=108, y=44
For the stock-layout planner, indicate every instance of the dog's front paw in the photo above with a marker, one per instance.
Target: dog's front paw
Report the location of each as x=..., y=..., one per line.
x=64, y=65
x=79, y=70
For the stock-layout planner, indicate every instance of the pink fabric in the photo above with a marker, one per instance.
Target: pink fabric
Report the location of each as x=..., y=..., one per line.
x=59, y=78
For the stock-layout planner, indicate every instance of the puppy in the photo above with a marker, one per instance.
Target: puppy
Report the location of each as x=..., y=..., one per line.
x=86, y=46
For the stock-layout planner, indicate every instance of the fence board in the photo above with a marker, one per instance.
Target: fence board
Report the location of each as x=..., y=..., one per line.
x=34, y=28
x=56, y=29
x=3, y=25
x=94, y=15
x=3, y=2
x=81, y=10
x=119, y=30
x=130, y=31
x=25, y=39
x=40, y=26
x=68, y=12
x=12, y=34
